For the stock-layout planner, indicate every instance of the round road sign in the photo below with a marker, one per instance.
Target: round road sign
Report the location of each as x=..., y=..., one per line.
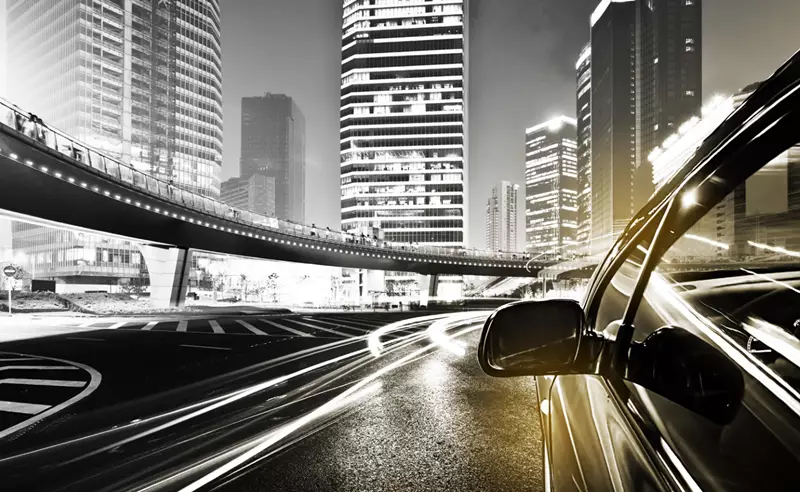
x=9, y=271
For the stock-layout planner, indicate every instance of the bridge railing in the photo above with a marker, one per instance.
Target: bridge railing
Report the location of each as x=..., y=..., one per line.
x=32, y=127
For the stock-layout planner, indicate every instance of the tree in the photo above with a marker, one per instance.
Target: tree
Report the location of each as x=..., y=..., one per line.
x=243, y=285
x=131, y=286
x=272, y=286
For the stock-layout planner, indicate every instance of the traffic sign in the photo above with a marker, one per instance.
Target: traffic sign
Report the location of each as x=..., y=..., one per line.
x=9, y=271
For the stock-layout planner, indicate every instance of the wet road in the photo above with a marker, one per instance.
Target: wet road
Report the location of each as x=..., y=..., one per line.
x=279, y=403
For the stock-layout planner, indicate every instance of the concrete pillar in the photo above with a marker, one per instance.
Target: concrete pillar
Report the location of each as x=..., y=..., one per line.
x=169, y=274
x=428, y=287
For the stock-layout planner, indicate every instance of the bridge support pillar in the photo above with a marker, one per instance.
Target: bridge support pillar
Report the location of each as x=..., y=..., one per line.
x=169, y=274
x=428, y=288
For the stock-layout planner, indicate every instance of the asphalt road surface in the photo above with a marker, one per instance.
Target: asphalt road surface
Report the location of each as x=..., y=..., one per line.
x=252, y=403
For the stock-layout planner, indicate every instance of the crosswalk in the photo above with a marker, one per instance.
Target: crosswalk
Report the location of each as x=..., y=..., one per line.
x=33, y=387
x=332, y=325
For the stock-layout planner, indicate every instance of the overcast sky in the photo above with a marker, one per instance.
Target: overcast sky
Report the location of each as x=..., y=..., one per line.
x=522, y=61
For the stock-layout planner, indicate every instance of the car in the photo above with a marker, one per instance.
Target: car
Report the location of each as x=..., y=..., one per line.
x=680, y=369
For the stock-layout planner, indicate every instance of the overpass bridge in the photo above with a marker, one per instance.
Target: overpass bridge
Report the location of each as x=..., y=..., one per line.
x=47, y=175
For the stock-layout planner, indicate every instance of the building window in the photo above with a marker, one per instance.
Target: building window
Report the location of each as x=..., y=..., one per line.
x=690, y=93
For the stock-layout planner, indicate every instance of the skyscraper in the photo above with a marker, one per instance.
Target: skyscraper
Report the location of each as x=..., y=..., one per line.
x=584, y=112
x=138, y=80
x=613, y=109
x=403, y=120
x=501, y=218
x=670, y=77
x=256, y=194
x=274, y=144
x=551, y=186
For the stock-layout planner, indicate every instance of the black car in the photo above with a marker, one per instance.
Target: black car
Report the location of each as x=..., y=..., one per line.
x=680, y=370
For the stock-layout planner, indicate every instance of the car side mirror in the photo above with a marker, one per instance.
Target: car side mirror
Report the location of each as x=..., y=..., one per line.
x=688, y=371
x=531, y=338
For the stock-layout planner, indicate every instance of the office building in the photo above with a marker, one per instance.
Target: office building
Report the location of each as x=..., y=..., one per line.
x=551, y=187
x=273, y=144
x=404, y=120
x=613, y=108
x=584, y=112
x=670, y=78
x=256, y=194
x=138, y=80
x=501, y=218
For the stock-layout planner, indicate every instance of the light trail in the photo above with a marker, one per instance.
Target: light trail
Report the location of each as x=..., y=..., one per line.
x=438, y=336
x=351, y=395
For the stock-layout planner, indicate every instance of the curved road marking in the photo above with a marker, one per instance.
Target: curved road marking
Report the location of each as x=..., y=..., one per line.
x=94, y=382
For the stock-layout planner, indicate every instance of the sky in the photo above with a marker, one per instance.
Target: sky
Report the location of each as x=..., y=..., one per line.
x=521, y=60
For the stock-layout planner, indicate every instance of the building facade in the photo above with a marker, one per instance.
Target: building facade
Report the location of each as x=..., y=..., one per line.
x=501, y=218
x=404, y=120
x=584, y=112
x=613, y=108
x=256, y=194
x=274, y=144
x=139, y=80
x=670, y=78
x=551, y=187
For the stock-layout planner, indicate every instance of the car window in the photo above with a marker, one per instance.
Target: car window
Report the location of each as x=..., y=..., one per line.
x=733, y=279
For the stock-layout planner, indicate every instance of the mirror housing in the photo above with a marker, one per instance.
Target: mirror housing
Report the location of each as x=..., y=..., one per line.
x=688, y=371
x=532, y=338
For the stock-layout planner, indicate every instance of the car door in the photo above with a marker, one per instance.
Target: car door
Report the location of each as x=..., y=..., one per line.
x=591, y=443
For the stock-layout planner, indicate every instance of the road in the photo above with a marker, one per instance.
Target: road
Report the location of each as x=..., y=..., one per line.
x=279, y=402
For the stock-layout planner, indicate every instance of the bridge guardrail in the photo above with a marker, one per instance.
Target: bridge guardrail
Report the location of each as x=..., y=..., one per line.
x=33, y=127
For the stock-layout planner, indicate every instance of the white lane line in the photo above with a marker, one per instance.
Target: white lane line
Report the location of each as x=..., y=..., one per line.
x=250, y=327
x=342, y=325
x=182, y=325
x=374, y=324
x=117, y=325
x=44, y=382
x=87, y=325
x=204, y=347
x=291, y=330
x=26, y=408
x=17, y=359
x=150, y=325
x=215, y=326
x=40, y=368
x=315, y=327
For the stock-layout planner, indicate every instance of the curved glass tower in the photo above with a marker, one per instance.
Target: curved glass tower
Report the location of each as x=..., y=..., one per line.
x=404, y=120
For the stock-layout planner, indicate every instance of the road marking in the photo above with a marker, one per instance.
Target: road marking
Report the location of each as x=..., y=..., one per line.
x=40, y=368
x=17, y=359
x=315, y=327
x=204, y=347
x=44, y=382
x=362, y=323
x=343, y=325
x=87, y=325
x=26, y=408
x=182, y=325
x=87, y=390
x=250, y=327
x=292, y=330
x=85, y=338
x=117, y=325
x=215, y=326
x=150, y=325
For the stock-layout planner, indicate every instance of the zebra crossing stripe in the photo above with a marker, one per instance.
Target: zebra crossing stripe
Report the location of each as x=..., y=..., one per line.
x=250, y=327
x=215, y=326
x=343, y=325
x=291, y=330
x=150, y=325
x=44, y=382
x=182, y=325
x=315, y=327
x=87, y=325
x=117, y=325
x=26, y=408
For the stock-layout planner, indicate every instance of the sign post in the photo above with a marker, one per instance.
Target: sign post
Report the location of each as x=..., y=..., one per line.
x=9, y=272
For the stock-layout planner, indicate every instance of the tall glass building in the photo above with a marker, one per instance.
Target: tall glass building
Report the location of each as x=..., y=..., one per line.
x=501, y=218
x=584, y=112
x=404, y=119
x=274, y=144
x=551, y=186
x=140, y=80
